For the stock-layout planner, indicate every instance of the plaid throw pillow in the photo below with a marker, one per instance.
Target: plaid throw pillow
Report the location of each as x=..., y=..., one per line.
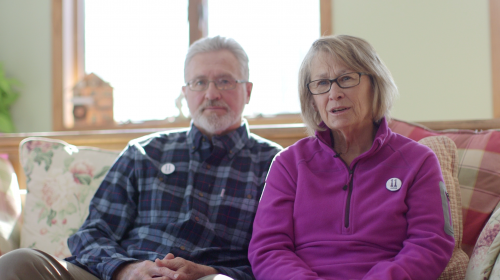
x=478, y=173
x=446, y=152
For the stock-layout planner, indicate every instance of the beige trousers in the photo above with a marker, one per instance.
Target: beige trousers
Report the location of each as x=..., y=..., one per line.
x=30, y=264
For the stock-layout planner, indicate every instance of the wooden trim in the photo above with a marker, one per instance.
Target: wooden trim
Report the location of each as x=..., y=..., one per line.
x=198, y=20
x=67, y=58
x=464, y=124
x=260, y=120
x=494, y=7
x=57, y=66
x=78, y=40
x=326, y=18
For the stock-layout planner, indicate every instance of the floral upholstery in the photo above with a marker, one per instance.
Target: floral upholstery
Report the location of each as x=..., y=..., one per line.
x=10, y=207
x=478, y=173
x=446, y=152
x=60, y=179
x=484, y=263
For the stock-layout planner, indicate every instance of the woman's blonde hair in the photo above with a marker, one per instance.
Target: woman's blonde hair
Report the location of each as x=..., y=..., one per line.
x=358, y=55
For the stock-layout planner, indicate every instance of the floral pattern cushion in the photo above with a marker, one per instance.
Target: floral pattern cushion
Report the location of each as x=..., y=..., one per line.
x=60, y=180
x=484, y=262
x=10, y=207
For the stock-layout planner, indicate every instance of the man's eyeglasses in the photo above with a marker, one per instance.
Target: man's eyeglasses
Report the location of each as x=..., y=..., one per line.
x=221, y=84
x=345, y=81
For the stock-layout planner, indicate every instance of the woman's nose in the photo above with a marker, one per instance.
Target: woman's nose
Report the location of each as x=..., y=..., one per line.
x=336, y=92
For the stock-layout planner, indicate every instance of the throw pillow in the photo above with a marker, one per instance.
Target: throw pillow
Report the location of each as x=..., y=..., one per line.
x=484, y=260
x=478, y=173
x=60, y=179
x=446, y=152
x=10, y=207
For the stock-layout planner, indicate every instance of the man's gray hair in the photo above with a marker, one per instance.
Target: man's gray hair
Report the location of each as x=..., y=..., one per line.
x=359, y=56
x=217, y=43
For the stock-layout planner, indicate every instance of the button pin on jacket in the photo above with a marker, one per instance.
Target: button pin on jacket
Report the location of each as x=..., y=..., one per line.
x=168, y=168
x=393, y=184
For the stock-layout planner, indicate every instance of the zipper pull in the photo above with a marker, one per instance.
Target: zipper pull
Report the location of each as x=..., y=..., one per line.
x=350, y=177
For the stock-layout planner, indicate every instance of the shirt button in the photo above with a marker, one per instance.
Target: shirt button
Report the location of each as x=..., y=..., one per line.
x=161, y=179
x=200, y=194
x=249, y=196
x=208, y=166
x=183, y=248
x=193, y=147
x=230, y=151
x=203, y=139
x=197, y=219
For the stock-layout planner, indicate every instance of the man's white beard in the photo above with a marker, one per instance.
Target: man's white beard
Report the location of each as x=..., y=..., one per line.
x=213, y=123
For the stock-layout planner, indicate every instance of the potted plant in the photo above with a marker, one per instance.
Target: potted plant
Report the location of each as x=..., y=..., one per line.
x=8, y=95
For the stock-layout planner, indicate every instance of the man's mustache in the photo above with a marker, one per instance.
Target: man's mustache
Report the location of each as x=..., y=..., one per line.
x=212, y=103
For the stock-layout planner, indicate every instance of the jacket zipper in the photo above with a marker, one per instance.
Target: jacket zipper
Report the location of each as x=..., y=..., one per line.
x=349, y=185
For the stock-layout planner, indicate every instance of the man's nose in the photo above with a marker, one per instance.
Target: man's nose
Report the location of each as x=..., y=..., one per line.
x=336, y=92
x=212, y=92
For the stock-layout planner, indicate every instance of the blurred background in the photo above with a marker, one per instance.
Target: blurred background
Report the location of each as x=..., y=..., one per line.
x=439, y=53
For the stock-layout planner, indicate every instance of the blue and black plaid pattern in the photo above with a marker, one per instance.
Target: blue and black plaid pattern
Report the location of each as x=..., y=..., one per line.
x=203, y=211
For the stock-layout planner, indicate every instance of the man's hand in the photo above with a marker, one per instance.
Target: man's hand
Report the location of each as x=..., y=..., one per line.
x=143, y=270
x=185, y=270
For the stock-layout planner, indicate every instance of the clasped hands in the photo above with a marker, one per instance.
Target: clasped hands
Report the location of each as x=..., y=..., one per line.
x=169, y=268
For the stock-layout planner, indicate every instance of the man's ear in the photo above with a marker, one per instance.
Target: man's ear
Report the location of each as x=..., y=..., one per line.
x=248, y=89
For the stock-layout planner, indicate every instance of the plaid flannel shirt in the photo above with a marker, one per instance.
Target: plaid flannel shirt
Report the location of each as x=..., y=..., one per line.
x=203, y=211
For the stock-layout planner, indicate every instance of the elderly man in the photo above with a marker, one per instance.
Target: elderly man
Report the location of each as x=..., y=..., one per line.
x=175, y=205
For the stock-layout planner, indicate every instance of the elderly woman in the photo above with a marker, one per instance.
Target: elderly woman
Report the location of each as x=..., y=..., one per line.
x=354, y=201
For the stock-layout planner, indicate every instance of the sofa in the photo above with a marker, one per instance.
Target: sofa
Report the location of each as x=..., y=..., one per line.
x=61, y=178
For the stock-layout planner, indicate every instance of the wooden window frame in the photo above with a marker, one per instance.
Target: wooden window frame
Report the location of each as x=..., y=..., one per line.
x=68, y=61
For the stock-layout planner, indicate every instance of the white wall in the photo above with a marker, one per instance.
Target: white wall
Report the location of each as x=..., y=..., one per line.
x=437, y=51
x=25, y=52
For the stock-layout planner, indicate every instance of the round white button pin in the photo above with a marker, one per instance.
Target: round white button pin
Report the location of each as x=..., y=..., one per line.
x=393, y=184
x=168, y=168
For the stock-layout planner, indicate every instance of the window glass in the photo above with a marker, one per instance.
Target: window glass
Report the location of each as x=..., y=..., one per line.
x=139, y=48
x=276, y=36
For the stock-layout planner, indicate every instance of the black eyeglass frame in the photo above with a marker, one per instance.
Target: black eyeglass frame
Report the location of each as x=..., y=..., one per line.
x=188, y=84
x=336, y=81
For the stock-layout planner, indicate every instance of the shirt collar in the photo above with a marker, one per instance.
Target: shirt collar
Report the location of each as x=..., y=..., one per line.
x=232, y=142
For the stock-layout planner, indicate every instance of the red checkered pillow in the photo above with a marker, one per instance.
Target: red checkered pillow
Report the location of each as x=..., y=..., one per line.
x=478, y=173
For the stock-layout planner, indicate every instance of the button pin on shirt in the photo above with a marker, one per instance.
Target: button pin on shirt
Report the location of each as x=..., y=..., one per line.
x=393, y=184
x=168, y=168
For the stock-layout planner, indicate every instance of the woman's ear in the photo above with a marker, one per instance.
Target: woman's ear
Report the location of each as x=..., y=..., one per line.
x=313, y=105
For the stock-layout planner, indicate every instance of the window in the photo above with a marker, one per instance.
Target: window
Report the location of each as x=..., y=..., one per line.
x=131, y=45
x=276, y=39
x=147, y=83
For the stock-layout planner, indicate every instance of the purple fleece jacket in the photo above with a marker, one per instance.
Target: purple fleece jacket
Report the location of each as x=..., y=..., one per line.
x=386, y=216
